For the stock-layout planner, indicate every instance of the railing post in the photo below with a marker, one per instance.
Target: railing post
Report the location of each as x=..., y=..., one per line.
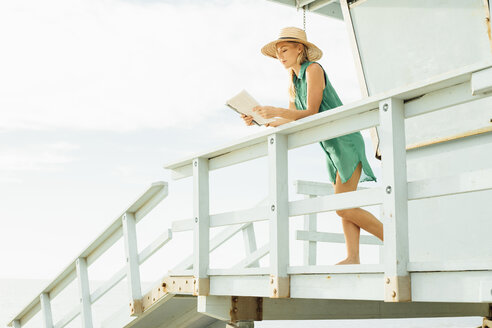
x=84, y=292
x=310, y=224
x=44, y=299
x=201, y=231
x=132, y=264
x=279, y=215
x=395, y=200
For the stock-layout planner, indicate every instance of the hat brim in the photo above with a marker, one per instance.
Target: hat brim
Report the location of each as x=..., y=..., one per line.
x=313, y=52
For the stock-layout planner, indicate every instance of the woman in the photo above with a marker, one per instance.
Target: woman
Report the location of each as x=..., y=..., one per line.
x=311, y=92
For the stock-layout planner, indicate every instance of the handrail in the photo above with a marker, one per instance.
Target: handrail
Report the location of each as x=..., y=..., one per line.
x=253, y=146
x=140, y=207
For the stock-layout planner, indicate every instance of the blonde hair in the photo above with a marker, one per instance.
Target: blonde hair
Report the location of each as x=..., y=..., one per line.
x=302, y=58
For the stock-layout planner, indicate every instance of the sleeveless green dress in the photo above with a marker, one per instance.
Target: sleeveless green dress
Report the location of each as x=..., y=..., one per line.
x=343, y=153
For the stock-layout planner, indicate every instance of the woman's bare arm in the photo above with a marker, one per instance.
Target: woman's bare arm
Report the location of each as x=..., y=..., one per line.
x=315, y=87
x=281, y=121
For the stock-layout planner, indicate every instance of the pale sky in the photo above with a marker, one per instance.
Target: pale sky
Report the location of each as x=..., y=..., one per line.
x=97, y=95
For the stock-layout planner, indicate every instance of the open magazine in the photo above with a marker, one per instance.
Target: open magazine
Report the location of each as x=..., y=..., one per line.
x=243, y=103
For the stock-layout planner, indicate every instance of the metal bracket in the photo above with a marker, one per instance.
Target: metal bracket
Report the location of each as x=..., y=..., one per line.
x=246, y=309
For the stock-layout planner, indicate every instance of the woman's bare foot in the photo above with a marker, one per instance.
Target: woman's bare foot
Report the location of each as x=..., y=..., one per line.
x=349, y=261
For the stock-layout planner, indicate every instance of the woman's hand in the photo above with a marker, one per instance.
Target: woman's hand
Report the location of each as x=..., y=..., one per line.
x=266, y=111
x=247, y=119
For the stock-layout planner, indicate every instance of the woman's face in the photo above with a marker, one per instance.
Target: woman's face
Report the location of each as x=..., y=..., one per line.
x=287, y=53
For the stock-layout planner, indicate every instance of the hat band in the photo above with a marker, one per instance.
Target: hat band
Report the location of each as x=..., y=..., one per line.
x=289, y=37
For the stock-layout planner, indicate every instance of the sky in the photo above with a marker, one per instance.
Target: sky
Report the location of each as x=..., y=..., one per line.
x=97, y=95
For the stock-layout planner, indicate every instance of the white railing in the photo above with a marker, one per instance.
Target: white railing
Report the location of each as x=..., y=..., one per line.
x=388, y=112
x=122, y=227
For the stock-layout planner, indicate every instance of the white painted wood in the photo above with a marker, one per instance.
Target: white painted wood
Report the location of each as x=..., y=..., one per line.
x=451, y=228
x=423, y=44
x=239, y=156
x=239, y=272
x=312, y=309
x=439, y=99
x=359, y=198
x=84, y=293
x=183, y=225
x=456, y=265
x=258, y=213
x=331, y=237
x=217, y=307
x=309, y=247
x=150, y=203
x=249, y=240
x=153, y=247
x=395, y=199
x=313, y=188
x=381, y=248
x=69, y=317
x=426, y=287
x=463, y=286
x=319, y=4
x=347, y=286
x=46, y=310
x=355, y=49
x=481, y=81
x=249, y=285
x=426, y=162
x=279, y=204
x=329, y=269
x=201, y=213
x=253, y=258
x=131, y=253
x=451, y=185
x=333, y=129
x=486, y=290
x=28, y=313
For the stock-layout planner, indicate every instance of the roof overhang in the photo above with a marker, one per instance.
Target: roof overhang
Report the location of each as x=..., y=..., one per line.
x=324, y=7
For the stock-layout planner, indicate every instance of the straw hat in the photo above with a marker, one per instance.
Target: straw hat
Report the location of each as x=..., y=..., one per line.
x=292, y=34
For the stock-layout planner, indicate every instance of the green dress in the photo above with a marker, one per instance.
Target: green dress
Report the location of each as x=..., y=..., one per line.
x=343, y=153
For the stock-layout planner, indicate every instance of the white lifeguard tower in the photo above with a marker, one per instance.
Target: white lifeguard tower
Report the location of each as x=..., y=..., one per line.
x=425, y=70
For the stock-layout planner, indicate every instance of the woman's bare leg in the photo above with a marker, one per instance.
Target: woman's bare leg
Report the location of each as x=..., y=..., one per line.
x=355, y=218
x=352, y=235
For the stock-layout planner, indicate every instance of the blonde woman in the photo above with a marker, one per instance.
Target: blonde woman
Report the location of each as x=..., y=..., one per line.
x=311, y=92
